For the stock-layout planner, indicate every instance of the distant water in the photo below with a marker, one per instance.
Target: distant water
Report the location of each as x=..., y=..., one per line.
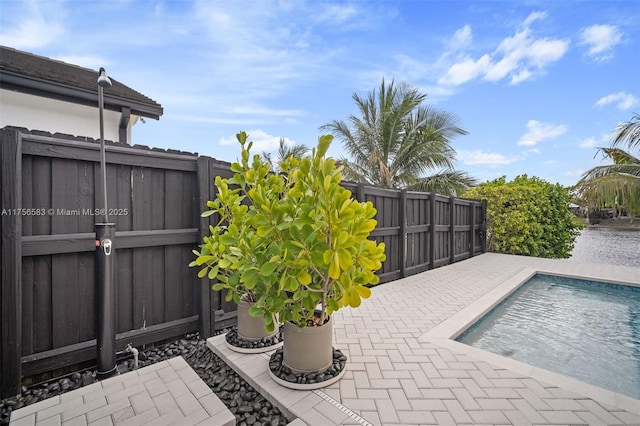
x=610, y=246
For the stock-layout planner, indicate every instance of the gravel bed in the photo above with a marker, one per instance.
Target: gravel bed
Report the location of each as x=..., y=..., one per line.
x=234, y=339
x=249, y=407
x=277, y=367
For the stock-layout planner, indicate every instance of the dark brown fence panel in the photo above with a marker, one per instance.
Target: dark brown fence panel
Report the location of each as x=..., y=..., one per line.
x=441, y=231
x=224, y=312
x=479, y=227
x=422, y=230
x=462, y=229
x=389, y=229
x=155, y=194
x=204, y=293
x=418, y=227
x=10, y=263
x=216, y=312
x=124, y=290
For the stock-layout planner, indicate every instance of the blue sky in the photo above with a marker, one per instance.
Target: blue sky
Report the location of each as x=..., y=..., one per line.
x=537, y=84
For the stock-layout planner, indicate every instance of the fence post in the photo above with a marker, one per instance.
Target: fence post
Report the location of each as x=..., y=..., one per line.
x=483, y=226
x=403, y=233
x=202, y=290
x=452, y=228
x=11, y=263
x=360, y=195
x=432, y=230
x=472, y=249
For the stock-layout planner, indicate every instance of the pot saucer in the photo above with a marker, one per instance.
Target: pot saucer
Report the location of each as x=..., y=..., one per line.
x=266, y=344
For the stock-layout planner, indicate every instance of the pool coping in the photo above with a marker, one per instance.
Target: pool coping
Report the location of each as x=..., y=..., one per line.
x=444, y=334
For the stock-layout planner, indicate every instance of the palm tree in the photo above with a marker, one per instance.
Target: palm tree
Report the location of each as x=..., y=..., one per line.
x=397, y=140
x=285, y=152
x=617, y=183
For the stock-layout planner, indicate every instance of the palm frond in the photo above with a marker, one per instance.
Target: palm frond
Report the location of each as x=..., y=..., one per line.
x=619, y=156
x=284, y=152
x=447, y=182
x=617, y=183
x=629, y=132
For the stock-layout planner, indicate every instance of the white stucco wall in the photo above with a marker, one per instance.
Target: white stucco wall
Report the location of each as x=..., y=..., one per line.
x=38, y=113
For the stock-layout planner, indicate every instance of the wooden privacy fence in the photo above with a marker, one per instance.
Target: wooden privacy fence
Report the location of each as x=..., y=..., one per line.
x=49, y=200
x=421, y=230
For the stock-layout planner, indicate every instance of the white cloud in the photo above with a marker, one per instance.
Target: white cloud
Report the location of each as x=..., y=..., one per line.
x=623, y=100
x=466, y=70
x=518, y=58
x=478, y=157
x=338, y=13
x=521, y=76
x=538, y=132
x=262, y=141
x=534, y=16
x=587, y=143
x=260, y=49
x=461, y=38
x=39, y=24
x=600, y=40
x=543, y=51
x=593, y=142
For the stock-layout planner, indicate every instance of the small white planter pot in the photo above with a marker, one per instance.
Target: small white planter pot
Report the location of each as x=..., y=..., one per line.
x=249, y=336
x=251, y=328
x=308, y=349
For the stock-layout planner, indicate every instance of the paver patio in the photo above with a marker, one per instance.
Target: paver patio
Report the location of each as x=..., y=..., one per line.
x=403, y=369
x=165, y=393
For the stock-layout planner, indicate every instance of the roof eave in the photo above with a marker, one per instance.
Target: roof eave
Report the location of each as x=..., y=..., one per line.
x=39, y=87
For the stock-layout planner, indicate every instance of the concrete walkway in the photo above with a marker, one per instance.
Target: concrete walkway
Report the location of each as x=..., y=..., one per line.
x=404, y=369
x=166, y=393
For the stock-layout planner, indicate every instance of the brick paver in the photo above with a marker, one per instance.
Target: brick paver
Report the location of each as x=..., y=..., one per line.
x=140, y=397
x=398, y=373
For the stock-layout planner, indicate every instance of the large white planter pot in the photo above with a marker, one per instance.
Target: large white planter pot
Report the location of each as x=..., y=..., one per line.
x=308, y=349
x=251, y=328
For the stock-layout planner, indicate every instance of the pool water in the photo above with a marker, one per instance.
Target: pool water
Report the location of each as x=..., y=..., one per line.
x=583, y=329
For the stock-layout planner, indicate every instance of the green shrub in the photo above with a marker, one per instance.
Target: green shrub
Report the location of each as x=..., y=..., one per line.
x=527, y=216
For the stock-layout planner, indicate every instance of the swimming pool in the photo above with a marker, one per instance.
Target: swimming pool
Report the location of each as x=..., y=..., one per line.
x=583, y=329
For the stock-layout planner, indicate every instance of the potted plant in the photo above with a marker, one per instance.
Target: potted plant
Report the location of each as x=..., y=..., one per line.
x=301, y=245
x=229, y=255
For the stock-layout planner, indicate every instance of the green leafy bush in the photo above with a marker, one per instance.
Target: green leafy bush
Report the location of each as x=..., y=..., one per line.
x=527, y=216
x=295, y=241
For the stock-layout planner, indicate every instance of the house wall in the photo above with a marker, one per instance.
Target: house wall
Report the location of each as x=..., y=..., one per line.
x=51, y=115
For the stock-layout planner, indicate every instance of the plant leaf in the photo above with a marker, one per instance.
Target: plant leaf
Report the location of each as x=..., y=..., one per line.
x=363, y=291
x=268, y=268
x=304, y=278
x=323, y=145
x=334, y=267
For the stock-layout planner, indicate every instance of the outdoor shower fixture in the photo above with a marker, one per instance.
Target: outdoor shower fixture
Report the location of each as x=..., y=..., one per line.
x=104, y=82
x=105, y=263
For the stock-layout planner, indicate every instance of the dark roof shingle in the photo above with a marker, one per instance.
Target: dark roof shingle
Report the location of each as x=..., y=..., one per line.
x=60, y=74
